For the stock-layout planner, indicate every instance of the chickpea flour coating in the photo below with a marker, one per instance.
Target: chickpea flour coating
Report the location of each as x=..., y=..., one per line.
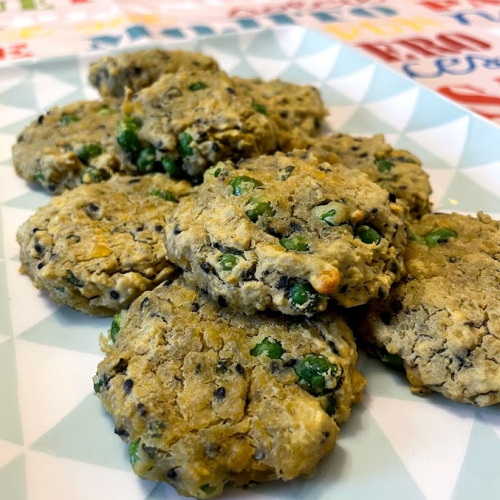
x=190, y=120
x=395, y=170
x=137, y=70
x=99, y=246
x=70, y=145
x=291, y=106
x=207, y=397
x=441, y=323
x=287, y=233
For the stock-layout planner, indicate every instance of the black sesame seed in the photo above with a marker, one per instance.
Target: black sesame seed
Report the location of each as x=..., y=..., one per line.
x=295, y=227
x=158, y=228
x=343, y=289
x=121, y=366
x=134, y=181
x=127, y=385
x=282, y=283
x=354, y=148
x=230, y=90
x=121, y=432
x=270, y=230
x=167, y=283
x=392, y=197
x=144, y=303
x=195, y=307
x=93, y=207
x=177, y=229
x=290, y=363
x=40, y=265
x=393, y=268
x=362, y=155
x=215, y=147
x=114, y=294
x=141, y=409
x=284, y=114
x=40, y=119
x=333, y=347
x=39, y=248
x=240, y=369
x=172, y=473
x=205, y=267
x=51, y=187
x=20, y=138
x=222, y=301
x=220, y=393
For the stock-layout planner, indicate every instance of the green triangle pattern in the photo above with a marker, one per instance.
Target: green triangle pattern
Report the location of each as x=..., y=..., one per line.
x=68, y=329
x=5, y=320
x=10, y=418
x=86, y=435
x=13, y=479
x=364, y=122
x=479, y=474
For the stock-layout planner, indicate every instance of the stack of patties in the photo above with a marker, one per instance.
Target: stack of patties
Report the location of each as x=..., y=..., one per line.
x=228, y=267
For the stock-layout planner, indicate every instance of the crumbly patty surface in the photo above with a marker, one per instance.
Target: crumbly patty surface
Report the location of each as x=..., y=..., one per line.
x=397, y=171
x=70, y=145
x=137, y=70
x=194, y=119
x=286, y=233
x=97, y=247
x=442, y=322
x=208, y=397
x=290, y=105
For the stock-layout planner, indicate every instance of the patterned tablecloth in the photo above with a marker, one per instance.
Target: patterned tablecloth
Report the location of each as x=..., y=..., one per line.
x=451, y=46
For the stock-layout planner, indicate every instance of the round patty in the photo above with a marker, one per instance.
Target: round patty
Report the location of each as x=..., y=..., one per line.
x=137, y=70
x=190, y=120
x=97, y=247
x=207, y=397
x=441, y=323
x=287, y=233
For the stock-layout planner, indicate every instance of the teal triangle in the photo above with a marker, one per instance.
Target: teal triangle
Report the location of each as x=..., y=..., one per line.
x=86, y=435
x=349, y=472
x=13, y=480
x=221, y=43
x=17, y=127
x=21, y=95
x=244, y=70
x=159, y=492
x=481, y=145
x=68, y=329
x=10, y=417
x=429, y=161
x=32, y=200
x=66, y=69
x=265, y=45
x=478, y=476
x=6, y=324
x=471, y=196
x=386, y=83
x=349, y=61
x=313, y=43
x=365, y=122
x=331, y=97
x=295, y=74
x=432, y=110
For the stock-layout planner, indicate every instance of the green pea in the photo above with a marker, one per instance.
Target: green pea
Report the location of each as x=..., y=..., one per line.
x=216, y=169
x=393, y=360
x=115, y=327
x=88, y=151
x=184, y=147
x=129, y=141
x=73, y=279
x=297, y=243
x=228, y=261
x=165, y=195
x=133, y=452
x=207, y=488
x=68, y=118
x=439, y=235
x=243, y=183
x=129, y=123
x=259, y=209
x=146, y=160
x=260, y=108
x=270, y=347
x=106, y=111
x=285, y=173
x=40, y=178
x=197, y=86
x=384, y=166
x=415, y=237
x=303, y=296
x=312, y=371
x=335, y=213
x=368, y=235
x=98, y=386
x=171, y=166
x=94, y=175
